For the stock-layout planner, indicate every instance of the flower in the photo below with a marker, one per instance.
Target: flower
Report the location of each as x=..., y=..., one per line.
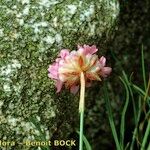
x=67, y=68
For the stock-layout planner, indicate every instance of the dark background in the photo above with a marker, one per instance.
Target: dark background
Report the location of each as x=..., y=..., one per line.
x=133, y=31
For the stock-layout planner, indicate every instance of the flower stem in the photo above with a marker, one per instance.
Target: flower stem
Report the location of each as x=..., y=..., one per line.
x=81, y=108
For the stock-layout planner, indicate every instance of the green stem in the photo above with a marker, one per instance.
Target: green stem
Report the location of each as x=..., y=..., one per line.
x=81, y=109
x=81, y=130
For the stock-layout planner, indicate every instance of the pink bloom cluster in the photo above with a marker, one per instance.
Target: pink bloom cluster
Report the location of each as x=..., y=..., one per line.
x=68, y=66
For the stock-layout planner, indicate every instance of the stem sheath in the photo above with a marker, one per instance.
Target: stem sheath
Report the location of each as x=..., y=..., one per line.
x=82, y=93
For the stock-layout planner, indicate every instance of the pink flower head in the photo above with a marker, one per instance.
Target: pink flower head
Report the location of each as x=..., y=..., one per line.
x=68, y=66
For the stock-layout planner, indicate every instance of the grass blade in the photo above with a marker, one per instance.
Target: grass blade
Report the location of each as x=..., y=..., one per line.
x=148, y=147
x=147, y=90
x=143, y=68
x=147, y=132
x=110, y=117
x=136, y=126
x=86, y=142
x=131, y=93
x=122, y=126
x=139, y=90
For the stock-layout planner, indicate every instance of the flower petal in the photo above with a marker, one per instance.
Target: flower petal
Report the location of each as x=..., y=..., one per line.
x=86, y=49
x=53, y=71
x=64, y=53
x=74, y=89
x=90, y=50
x=102, y=61
x=59, y=85
x=105, y=71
